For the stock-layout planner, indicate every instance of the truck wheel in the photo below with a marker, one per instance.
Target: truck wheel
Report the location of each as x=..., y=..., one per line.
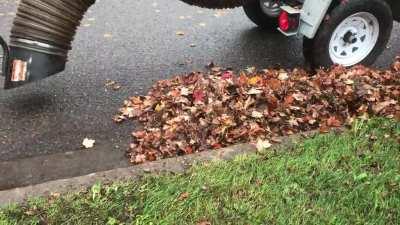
x=264, y=13
x=355, y=32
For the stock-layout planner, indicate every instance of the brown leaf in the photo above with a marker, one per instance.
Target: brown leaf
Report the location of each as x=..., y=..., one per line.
x=141, y=158
x=381, y=105
x=204, y=223
x=289, y=100
x=183, y=196
x=333, y=122
x=274, y=84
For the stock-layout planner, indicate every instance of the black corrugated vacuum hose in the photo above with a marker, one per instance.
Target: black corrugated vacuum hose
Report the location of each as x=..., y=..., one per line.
x=41, y=36
x=43, y=31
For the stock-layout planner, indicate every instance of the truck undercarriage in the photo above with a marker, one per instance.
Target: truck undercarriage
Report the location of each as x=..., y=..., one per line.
x=43, y=31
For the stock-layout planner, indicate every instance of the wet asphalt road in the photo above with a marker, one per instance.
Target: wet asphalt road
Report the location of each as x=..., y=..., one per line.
x=133, y=43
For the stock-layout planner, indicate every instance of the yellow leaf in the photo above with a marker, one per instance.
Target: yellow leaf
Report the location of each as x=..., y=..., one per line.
x=159, y=107
x=254, y=80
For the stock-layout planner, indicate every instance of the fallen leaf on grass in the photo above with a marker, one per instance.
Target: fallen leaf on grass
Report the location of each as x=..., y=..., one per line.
x=183, y=196
x=203, y=223
x=333, y=122
x=263, y=145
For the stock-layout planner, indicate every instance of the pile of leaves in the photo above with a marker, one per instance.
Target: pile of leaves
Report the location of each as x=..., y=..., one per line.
x=202, y=111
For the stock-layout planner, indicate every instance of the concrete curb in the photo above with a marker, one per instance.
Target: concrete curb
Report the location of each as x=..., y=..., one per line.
x=40, y=169
x=174, y=165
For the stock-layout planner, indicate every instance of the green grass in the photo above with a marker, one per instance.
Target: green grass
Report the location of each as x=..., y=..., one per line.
x=349, y=178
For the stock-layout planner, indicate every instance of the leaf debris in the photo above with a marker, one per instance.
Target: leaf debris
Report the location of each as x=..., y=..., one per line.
x=88, y=143
x=218, y=108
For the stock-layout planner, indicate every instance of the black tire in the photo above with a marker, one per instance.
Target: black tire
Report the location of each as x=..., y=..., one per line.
x=316, y=50
x=256, y=15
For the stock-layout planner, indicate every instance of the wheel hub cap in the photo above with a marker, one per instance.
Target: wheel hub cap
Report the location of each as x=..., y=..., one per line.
x=354, y=39
x=270, y=7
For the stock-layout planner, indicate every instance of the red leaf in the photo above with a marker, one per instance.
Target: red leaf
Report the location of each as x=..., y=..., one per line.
x=188, y=150
x=151, y=156
x=289, y=100
x=198, y=96
x=216, y=146
x=227, y=75
x=243, y=79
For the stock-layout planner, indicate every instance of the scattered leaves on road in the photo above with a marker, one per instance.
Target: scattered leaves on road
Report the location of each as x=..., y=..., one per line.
x=201, y=111
x=107, y=35
x=112, y=84
x=88, y=143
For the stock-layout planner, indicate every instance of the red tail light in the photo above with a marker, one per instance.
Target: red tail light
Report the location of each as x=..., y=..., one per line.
x=284, y=21
x=288, y=22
